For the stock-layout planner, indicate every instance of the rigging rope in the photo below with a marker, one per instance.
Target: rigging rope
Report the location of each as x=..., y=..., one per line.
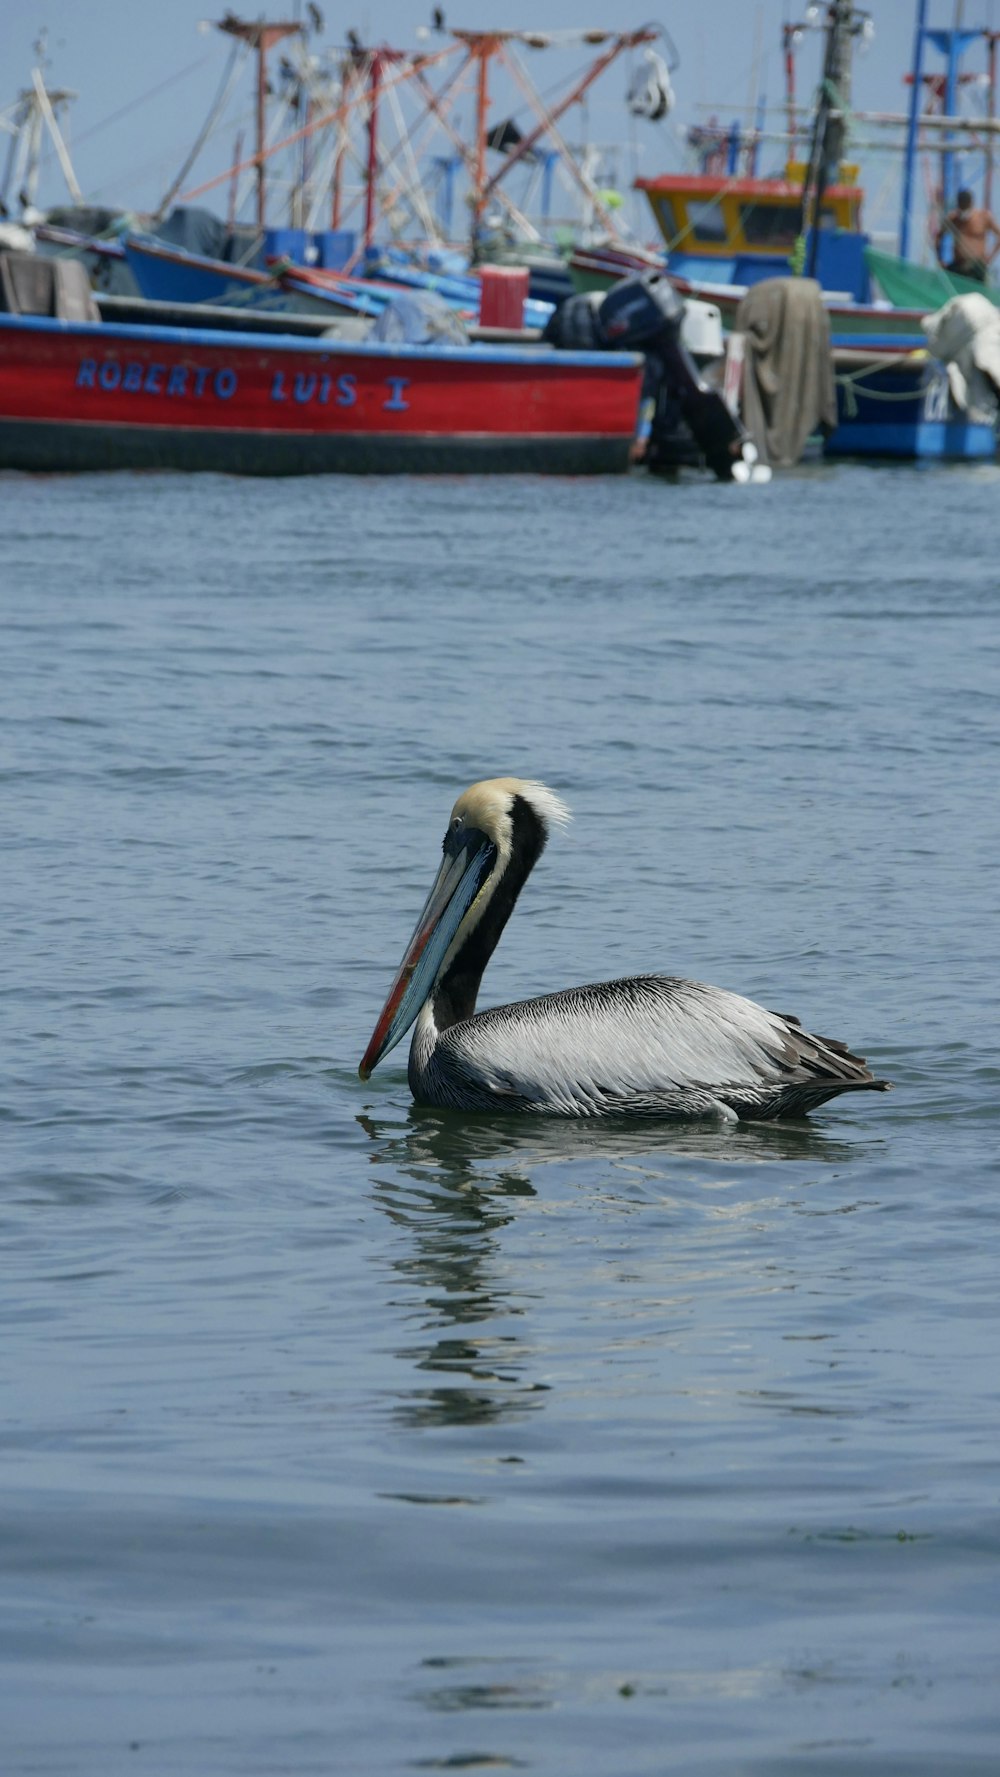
x=225, y=86
x=850, y=382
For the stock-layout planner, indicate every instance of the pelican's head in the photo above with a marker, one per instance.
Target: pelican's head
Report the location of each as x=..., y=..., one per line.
x=496, y=824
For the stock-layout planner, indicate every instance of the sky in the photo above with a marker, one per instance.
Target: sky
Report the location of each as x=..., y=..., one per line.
x=146, y=77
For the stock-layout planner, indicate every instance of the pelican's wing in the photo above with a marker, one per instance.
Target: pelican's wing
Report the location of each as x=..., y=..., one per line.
x=651, y=1044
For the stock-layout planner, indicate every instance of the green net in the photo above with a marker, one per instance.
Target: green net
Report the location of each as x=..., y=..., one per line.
x=926, y=287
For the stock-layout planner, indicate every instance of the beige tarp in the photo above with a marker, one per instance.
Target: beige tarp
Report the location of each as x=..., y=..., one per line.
x=33, y=285
x=788, y=385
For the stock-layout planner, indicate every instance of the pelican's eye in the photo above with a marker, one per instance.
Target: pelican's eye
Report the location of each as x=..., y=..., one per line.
x=451, y=840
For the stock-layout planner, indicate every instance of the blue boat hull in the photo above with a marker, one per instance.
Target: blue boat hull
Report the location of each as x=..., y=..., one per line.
x=171, y=275
x=906, y=413
x=168, y=274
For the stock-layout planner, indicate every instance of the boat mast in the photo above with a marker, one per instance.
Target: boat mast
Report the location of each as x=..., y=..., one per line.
x=484, y=44
x=952, y=44
x=234, y=184
x=260, y=37
x=371, y=177
x=991, y=41
x=837, y=78
x=789, y=38
x=379, y=62
x=483, y=47
x=349, y=75
x=830, y=128
x=909, y=163
x=36, y=111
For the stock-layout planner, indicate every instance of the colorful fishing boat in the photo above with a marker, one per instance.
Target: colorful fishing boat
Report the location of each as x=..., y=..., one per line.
x=99, y=395
x=739, y=230
x=724, y=228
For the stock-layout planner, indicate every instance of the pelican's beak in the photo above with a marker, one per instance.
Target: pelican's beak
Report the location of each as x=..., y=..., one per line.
x=469, y=858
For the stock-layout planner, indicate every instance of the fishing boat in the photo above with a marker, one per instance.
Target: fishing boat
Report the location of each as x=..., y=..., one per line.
x=724, y=228
x=369, y=119
x=599, y=268
x=727, y=229
x=902, y=403
x=344, y=155
x=89, y=395
x=173, y=276
x=165, y=273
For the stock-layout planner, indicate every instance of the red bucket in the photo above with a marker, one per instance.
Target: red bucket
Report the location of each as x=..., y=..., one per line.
x=504, y=289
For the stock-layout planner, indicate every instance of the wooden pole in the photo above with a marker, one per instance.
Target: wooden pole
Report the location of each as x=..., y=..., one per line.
x=336, y=208
x=484, y=50
x=261, y=131
x=259, y=37
x=234, y=183
x=371, y=189
x=992, y=89
x=789, y=35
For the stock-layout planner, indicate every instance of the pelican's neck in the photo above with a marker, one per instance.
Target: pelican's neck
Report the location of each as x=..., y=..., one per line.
x=454, y=995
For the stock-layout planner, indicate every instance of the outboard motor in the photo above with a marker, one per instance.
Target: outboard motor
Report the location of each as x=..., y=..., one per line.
x=575, y=325
x=688, y=420
x=645, y=314
x=640, y=313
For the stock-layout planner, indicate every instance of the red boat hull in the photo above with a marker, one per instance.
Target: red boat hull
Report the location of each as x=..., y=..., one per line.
x=91, y=396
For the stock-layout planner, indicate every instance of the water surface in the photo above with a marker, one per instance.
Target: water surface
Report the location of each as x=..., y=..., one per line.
x=344, y=1436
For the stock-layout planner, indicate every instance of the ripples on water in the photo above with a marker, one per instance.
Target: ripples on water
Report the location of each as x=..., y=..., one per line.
x=345, y=1436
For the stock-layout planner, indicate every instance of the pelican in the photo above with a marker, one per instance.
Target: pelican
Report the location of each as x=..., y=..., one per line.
x=647, y=1046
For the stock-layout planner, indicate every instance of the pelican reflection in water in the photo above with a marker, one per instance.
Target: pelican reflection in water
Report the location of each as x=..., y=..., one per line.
x=651, y=1046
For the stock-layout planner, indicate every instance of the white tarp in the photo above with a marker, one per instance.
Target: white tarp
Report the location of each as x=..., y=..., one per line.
x=965, y=335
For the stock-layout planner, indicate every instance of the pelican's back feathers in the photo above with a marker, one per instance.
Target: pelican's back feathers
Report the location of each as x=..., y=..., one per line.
x=651, y=1045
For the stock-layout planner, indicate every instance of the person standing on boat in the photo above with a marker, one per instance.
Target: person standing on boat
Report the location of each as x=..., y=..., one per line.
x=968, y=228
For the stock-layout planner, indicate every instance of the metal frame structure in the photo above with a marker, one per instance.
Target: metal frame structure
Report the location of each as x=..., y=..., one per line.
x=370, y=81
